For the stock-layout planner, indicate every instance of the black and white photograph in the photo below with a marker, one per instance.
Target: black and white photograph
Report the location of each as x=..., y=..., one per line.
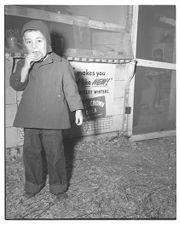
x=90, y=111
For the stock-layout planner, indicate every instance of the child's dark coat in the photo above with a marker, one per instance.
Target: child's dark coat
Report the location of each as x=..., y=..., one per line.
x=50, y=86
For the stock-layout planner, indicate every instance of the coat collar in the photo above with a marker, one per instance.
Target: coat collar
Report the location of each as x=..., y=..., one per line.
x=53, y=57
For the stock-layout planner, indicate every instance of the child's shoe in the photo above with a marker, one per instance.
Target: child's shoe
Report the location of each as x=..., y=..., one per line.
x=61, y=196
x=29, y=195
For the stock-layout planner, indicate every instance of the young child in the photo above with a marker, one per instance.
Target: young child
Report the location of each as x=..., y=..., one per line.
x=49, y=85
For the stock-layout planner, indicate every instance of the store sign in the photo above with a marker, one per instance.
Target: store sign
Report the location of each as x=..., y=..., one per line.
x=95, y=107
x=96, y=83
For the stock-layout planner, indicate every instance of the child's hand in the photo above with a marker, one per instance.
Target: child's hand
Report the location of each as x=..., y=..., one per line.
x=78, y=117
x=32, y=57
x=29, y=59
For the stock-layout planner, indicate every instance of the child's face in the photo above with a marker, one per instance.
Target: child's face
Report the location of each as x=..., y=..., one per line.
x=35, y=42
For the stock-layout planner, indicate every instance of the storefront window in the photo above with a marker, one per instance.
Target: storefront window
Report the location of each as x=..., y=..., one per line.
x=154, y=100
x=156, y=33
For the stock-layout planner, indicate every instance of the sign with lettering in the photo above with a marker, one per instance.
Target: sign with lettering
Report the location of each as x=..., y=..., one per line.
x=96, y=84
x=95, y=107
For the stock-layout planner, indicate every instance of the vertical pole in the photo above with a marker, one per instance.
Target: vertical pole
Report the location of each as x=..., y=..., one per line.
x=172, y=97
x=131, y=88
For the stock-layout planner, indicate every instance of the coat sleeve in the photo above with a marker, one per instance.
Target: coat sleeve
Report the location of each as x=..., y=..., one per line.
x=70, y=89
x=15, y=77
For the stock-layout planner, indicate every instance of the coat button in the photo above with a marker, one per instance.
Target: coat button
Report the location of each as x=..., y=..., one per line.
x=59, y=95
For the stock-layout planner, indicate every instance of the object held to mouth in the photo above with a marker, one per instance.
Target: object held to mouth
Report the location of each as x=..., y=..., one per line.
x=38, y=55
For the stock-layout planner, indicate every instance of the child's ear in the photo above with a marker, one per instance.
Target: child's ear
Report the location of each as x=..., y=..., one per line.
x=49, y=49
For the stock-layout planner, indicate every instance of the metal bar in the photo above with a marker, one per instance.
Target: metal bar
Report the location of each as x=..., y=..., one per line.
x=153, y=135
x=155, y=64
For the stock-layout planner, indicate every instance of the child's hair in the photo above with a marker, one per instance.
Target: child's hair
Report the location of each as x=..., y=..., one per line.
x=38, y=25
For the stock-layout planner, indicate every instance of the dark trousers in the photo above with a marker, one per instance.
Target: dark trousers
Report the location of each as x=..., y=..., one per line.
x=44, y=154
